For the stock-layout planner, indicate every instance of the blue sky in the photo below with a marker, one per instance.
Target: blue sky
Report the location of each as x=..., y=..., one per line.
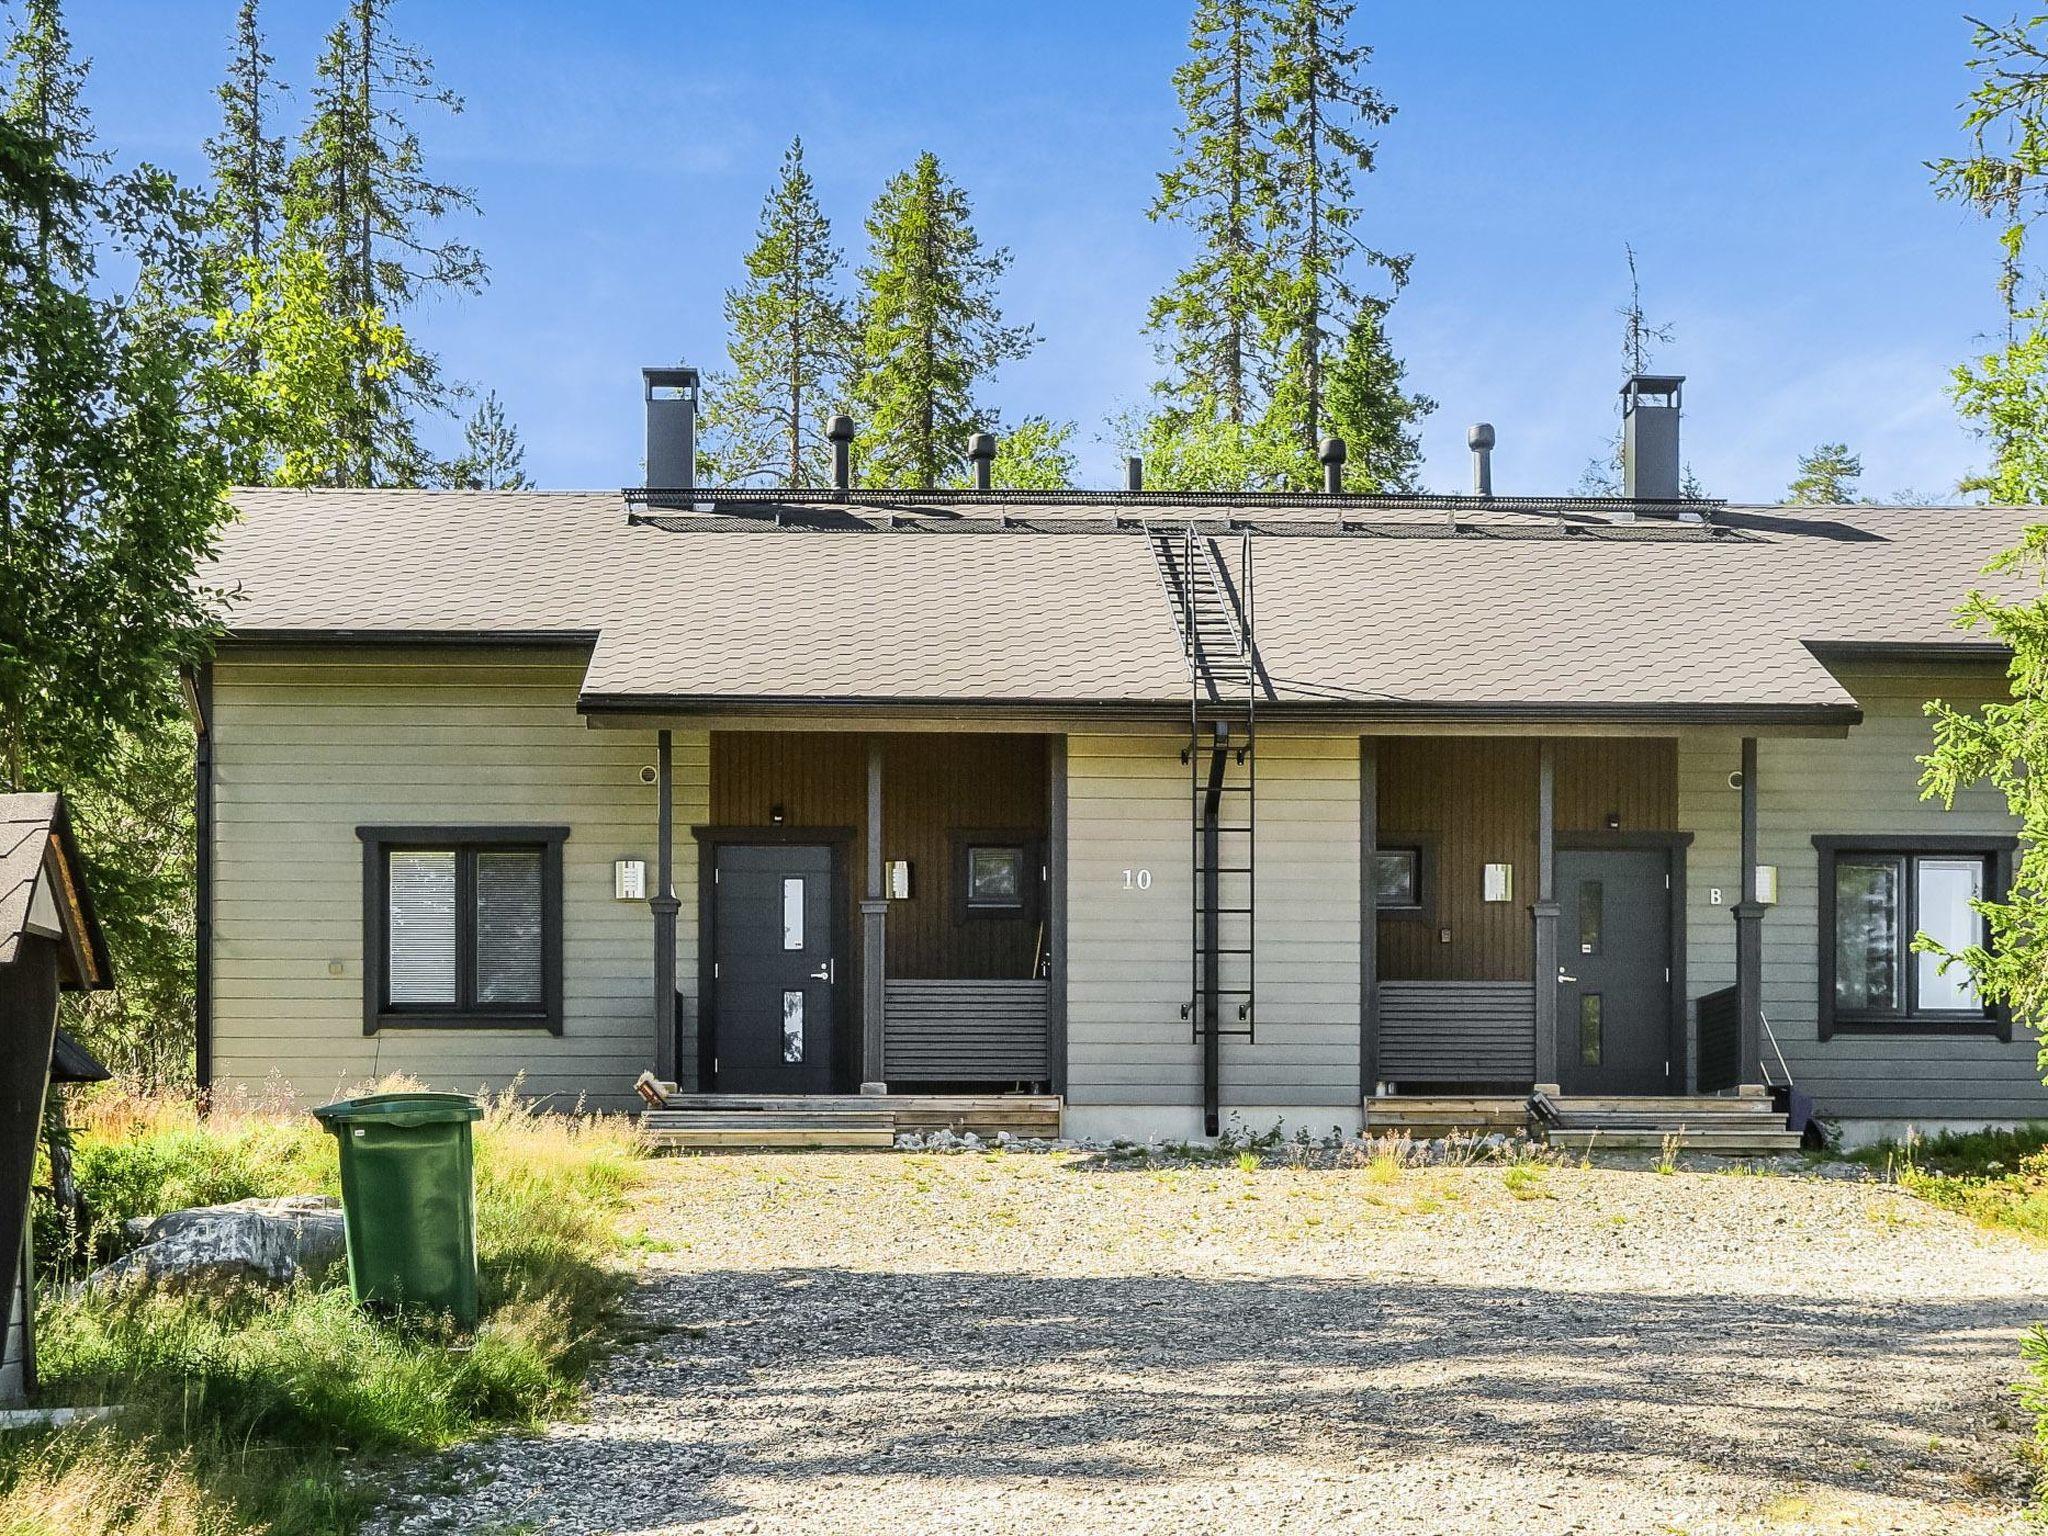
x=1765, y=159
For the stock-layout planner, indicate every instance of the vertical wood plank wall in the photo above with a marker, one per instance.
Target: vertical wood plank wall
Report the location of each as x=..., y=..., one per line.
x=933, y=784
x=1474, y=798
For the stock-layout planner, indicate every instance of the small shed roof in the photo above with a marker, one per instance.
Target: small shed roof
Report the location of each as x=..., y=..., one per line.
x=42, y=888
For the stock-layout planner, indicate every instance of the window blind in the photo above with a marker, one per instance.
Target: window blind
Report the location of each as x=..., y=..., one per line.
x=422, y=927
x=508, y=928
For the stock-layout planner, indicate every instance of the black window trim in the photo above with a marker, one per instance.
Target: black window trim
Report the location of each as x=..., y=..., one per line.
x=1031, y=875
x=1423, y=846
x=379, y=842
x=1996, y=1019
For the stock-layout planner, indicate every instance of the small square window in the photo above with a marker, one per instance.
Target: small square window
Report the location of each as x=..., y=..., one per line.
x=995, y=877
x=1397, y=877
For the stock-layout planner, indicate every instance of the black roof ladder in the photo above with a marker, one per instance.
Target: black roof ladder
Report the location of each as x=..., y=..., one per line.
x=1214, y=616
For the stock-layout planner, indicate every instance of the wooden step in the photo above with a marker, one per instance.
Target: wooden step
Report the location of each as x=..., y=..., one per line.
x=1720, y=1143
x=716, y=1120
x=768, y=1140
x=1432, y=1116
x=1030, y=1116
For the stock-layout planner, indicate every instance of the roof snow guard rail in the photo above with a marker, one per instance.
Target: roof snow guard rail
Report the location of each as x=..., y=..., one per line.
x=732, y=498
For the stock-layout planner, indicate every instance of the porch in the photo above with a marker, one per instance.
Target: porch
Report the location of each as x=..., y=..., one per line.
x=875, y=934
x=1526, y=930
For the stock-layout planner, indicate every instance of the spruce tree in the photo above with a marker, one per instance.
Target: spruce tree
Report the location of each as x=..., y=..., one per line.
x=789, y=347
x=247, y=155
x=493, y=458
x=1827, y=477
x=111, y=479
x=1321, y=111
x=931, y=331
x=1220, y=187
x=360, y=195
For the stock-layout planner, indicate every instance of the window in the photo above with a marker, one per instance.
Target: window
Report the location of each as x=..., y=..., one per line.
x=1404, y=876
x=1876, y=897
x=1397, y=877
x=997, y=875
x=462, y=926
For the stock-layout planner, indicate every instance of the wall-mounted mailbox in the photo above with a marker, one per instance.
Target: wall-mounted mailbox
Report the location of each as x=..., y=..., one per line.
x=629, y=880
x=1500, y=883
x=898, y=883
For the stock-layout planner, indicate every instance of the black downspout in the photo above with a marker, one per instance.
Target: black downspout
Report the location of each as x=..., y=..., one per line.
x=202, y=882
x=1212, y=936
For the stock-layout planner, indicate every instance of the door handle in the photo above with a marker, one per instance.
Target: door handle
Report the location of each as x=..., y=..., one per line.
x=824, y=972
x=1564, y=978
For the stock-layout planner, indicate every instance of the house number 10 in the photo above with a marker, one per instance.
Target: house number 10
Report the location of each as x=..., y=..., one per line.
x=1137, y=879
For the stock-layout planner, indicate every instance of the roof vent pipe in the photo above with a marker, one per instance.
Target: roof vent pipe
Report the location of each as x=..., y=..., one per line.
x=839, y=431
x=671, y=396
x=1332, y=456
x=981, y=449
x=1134, y=473
x=1479, y=438
x=1649, y=437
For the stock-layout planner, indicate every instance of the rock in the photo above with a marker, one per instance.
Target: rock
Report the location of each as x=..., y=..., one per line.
x=267, y=1241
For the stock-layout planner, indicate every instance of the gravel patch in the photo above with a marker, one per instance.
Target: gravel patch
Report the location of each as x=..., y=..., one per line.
x=996, y=1343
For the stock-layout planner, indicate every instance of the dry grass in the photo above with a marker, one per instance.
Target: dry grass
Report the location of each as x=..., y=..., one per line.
x=95, y=1484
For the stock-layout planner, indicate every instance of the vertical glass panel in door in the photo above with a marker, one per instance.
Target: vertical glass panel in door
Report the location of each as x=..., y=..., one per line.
x=1591, y=916
x=793, y=913
x=1946, y=887
x=421, y=919
x=1590, y=1042
x=1867, y=970
x=792, y=1026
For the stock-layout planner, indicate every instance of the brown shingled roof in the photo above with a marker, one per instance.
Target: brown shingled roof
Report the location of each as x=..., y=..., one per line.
x=1370, y=607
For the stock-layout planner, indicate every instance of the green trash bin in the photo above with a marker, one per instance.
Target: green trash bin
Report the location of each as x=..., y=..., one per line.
x=408, y=1199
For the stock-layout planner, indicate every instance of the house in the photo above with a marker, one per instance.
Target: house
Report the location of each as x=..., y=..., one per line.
x=1189, y=810
x=50, y=943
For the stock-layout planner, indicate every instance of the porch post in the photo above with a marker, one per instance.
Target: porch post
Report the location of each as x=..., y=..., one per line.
x=1368, y=916
x=874, y=949
x=664, y=905
x=1543, y=915
x=1749, y=936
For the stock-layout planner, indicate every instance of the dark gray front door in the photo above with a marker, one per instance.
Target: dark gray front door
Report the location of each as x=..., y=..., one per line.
x=1614, y=981
x=777, y=978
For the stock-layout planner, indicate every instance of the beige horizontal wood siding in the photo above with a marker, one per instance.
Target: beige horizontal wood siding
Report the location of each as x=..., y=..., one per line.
x=1866, y=784
x=1128, y=949
x=309, y=745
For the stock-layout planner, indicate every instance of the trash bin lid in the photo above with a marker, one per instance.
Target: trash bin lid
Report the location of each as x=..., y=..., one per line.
x=402, y=1109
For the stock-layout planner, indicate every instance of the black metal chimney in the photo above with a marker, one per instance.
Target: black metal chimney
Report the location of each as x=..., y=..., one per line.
x=1650, y=464
x=981, y=449
x=1332, y=456
x=1479, y=438
x=839, y=431
x=1134, y=473
x=671, y=395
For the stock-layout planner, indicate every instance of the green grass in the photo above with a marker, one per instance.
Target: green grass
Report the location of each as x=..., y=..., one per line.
x=275, y=1403
x=1997, y=1178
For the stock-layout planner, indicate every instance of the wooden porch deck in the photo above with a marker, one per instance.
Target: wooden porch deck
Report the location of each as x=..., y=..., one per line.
x=1745, y=1124
x=711, y=1120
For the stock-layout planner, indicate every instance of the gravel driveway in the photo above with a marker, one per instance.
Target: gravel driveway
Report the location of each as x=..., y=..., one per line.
x=1025, y=1344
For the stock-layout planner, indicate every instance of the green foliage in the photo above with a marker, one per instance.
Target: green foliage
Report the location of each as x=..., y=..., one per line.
x=1221, y=186
x=492, y=458
x=274, y=1402
x=1032, y=456
x=1998, y=744
x=361, y=197
x=789, y=346
x=246, y=156
x=1827, y=477
x=111, y=467
x=931, y=331
x=1270, y=343
x=135, y=824
x=2003, y=395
